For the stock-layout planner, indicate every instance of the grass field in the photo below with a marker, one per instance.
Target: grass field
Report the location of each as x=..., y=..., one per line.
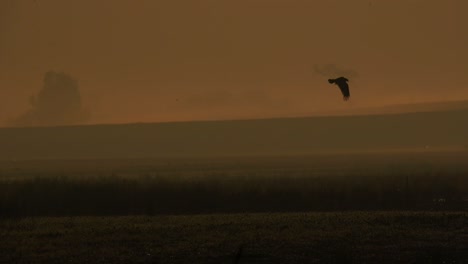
x=372, y=181
x=350, y=237
x=333, y=208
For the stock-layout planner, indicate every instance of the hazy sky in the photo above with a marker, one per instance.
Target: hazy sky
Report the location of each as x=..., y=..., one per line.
x=150, y=60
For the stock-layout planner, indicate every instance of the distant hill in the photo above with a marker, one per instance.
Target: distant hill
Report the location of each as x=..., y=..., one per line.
x=281, y=136
x=402, y=108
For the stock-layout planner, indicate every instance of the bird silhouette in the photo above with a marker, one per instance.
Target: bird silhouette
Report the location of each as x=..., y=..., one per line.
x=342, y=82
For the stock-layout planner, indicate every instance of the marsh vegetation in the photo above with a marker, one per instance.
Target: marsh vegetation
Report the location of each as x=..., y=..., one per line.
x=372, y=181
x=330, y=208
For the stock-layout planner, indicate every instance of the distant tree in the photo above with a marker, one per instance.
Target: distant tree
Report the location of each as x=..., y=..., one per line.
x=58, y=103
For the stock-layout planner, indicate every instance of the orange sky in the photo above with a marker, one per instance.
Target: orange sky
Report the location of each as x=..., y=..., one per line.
x=150, y=60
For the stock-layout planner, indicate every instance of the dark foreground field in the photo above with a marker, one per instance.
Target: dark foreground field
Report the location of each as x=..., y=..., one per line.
x=351, y=237
x=407, y=207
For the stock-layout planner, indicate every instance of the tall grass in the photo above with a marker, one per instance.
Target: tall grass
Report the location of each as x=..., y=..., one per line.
x=52, y=188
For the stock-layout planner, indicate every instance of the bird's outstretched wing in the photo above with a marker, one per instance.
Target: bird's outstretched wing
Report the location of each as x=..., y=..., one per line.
x=343, y=85
x=344, y=90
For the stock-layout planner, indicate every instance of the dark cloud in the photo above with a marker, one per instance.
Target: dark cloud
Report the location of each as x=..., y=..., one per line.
x=58, y=103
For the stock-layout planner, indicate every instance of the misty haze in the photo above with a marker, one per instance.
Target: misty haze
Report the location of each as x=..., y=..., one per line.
x=156, y=61
x=259, y=131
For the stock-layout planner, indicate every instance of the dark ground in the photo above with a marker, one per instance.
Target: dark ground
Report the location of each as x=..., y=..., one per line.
x=339, y=237
x=336, y=208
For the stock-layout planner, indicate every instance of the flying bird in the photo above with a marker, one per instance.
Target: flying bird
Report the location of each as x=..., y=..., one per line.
x=342, y=82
